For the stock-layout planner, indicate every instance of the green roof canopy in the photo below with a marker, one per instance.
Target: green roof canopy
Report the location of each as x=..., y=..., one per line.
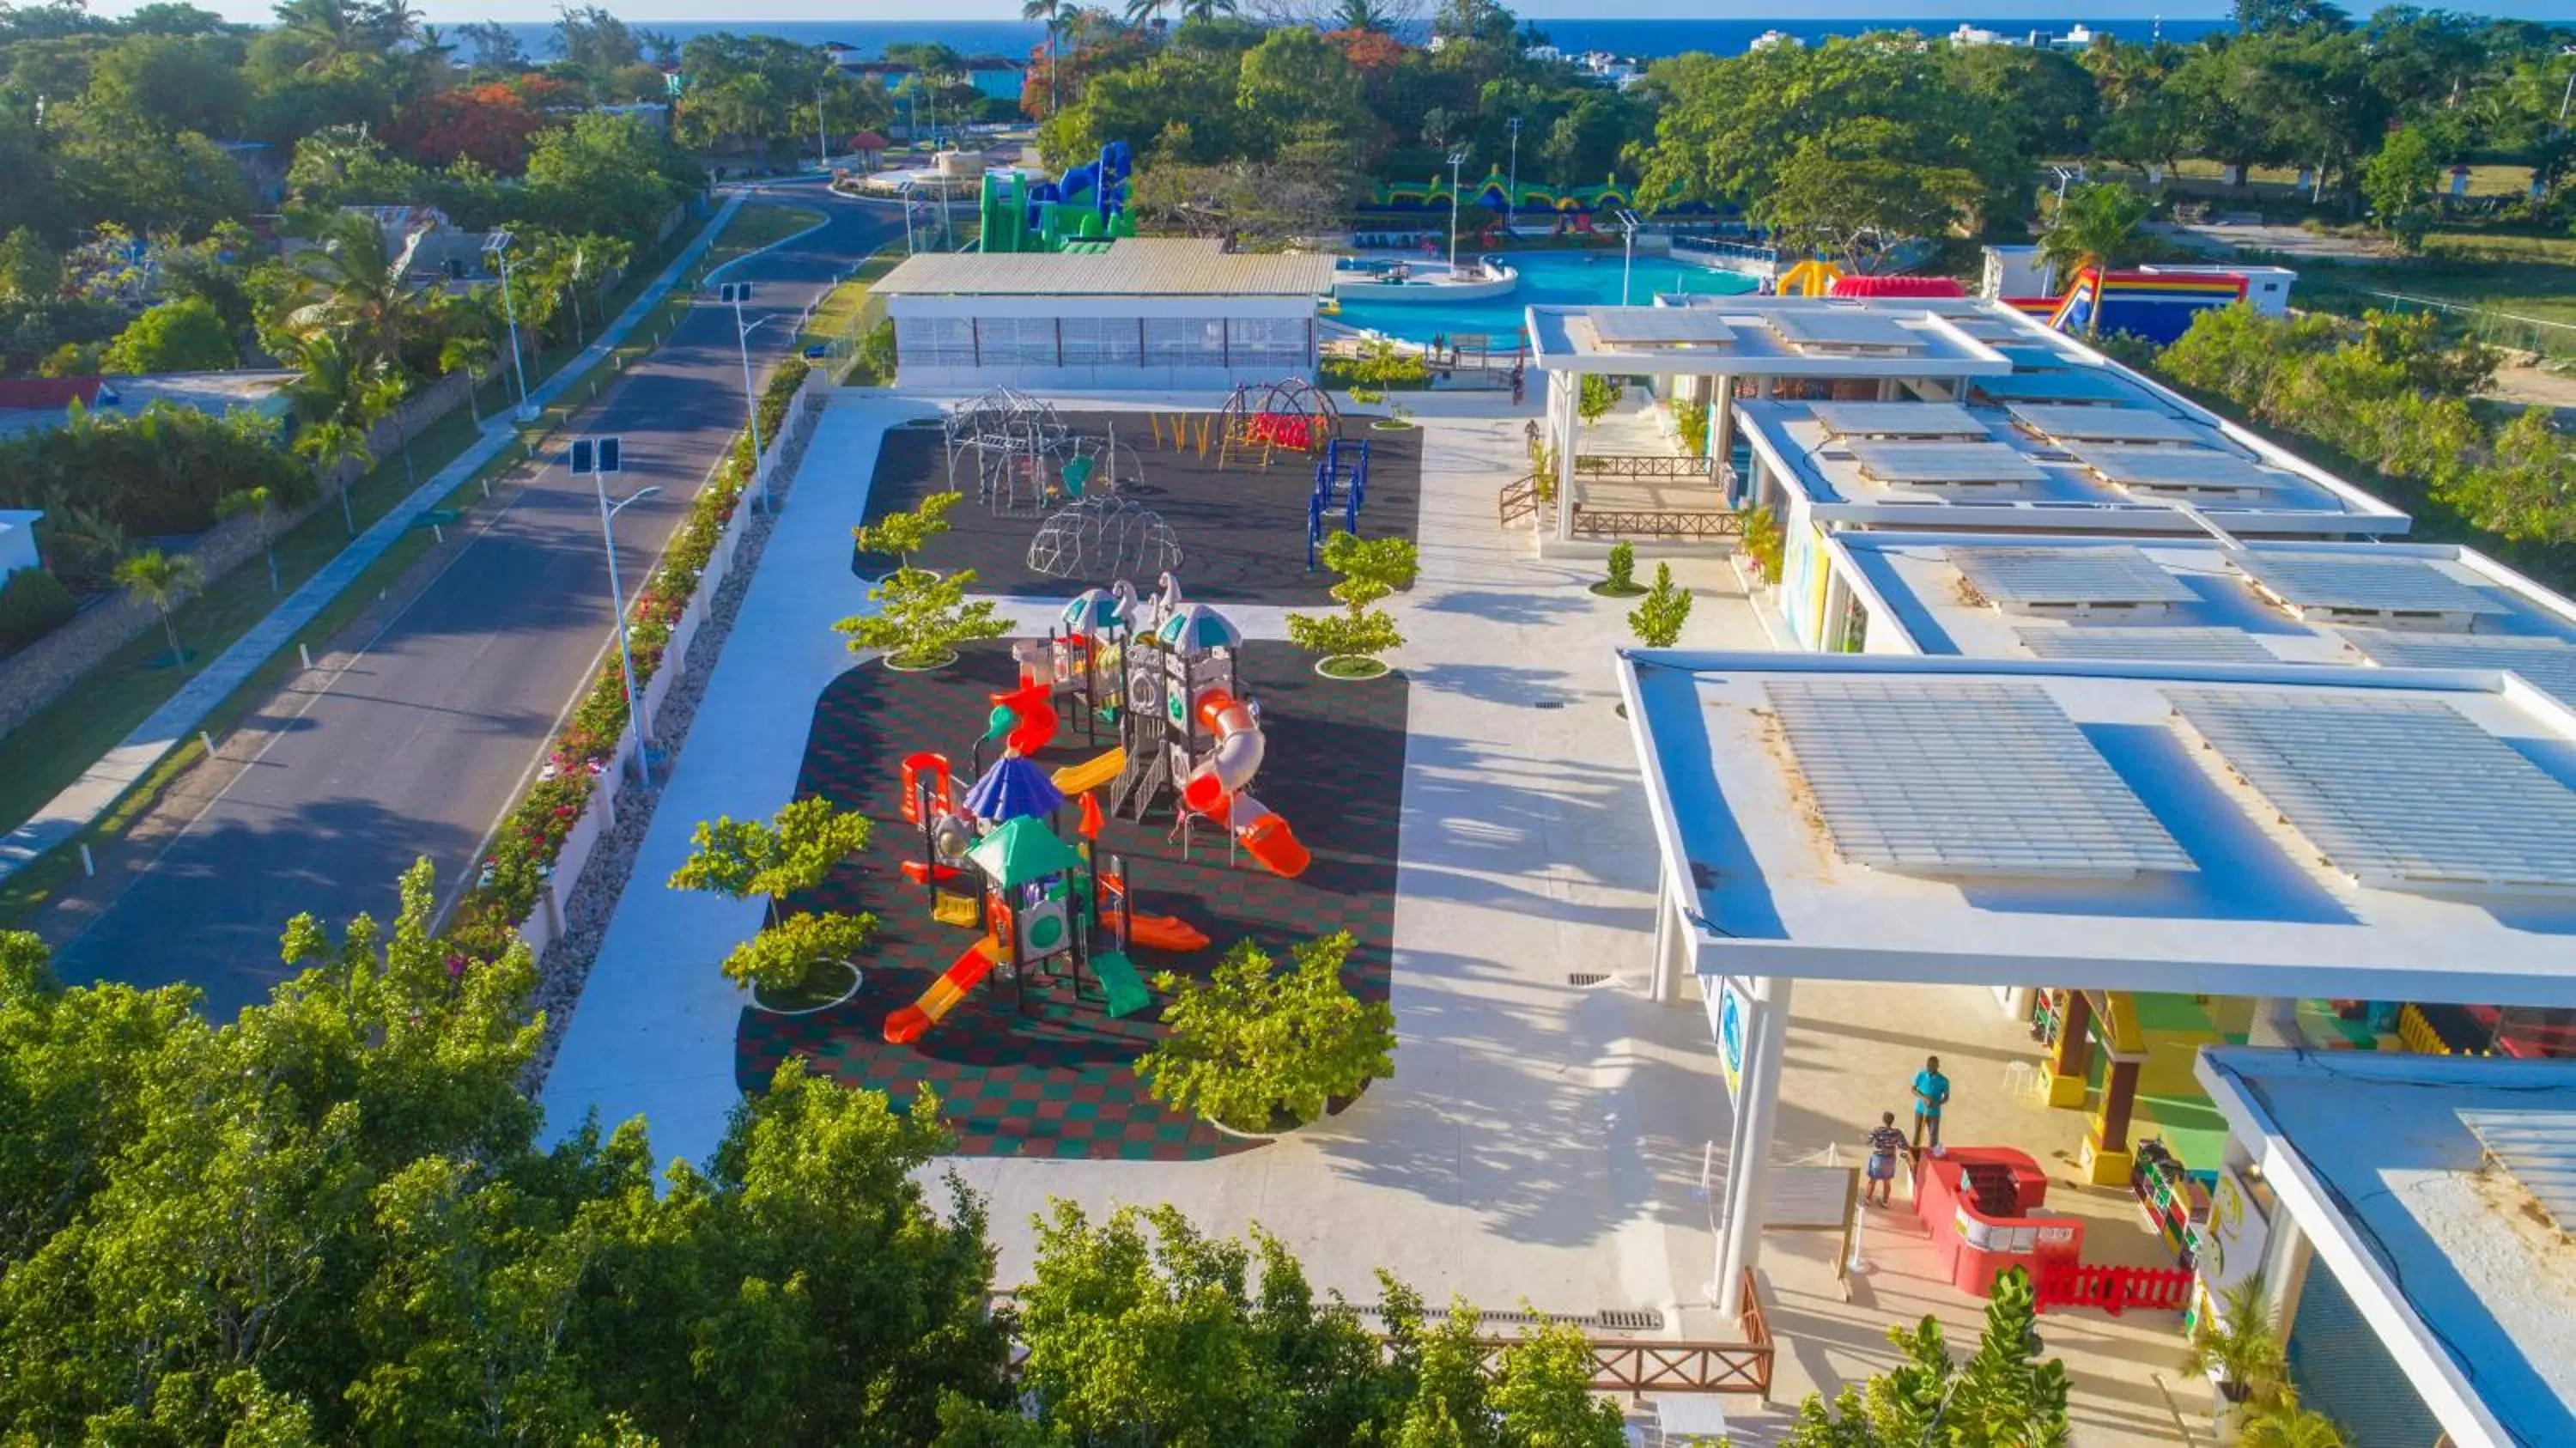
x=1023, y=850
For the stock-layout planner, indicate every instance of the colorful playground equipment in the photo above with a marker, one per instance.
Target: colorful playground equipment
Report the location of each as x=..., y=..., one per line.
x=1289, y=415
x=1084, y=208
x=995, y=855
x=1341, y=473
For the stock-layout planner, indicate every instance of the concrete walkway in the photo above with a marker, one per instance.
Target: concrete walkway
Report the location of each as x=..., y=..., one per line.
x=100, y=786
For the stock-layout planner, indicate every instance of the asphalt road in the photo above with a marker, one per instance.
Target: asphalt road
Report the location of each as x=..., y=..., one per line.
x=416, y=748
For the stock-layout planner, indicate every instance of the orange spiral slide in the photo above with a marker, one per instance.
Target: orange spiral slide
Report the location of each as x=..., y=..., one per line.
x=908, y=1024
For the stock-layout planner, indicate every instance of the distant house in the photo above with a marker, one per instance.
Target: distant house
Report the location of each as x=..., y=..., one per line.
x=432, y=251
x=869, y=148
x=32, y=404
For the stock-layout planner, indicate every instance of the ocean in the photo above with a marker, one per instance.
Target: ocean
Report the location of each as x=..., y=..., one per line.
x=1640, y=38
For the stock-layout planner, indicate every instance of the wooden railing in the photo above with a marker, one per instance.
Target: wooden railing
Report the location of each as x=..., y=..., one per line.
x=1519, y=499
x=1640, y=465
x=1648, y=1365
x=1674, y=524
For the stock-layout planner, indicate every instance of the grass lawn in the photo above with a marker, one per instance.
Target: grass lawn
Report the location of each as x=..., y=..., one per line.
x=2504, y=283
x=43, y=756
x=838, y=314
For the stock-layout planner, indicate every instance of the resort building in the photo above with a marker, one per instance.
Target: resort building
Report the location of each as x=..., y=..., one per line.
x=2409, y=1215
x=1135, y=314
x=2122, y=831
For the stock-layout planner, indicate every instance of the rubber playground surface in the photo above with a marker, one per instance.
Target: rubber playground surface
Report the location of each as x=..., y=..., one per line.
x=1058, y=1081
x=1241, y=528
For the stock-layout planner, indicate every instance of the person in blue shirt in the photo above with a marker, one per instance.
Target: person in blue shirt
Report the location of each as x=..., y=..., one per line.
x=1931, y=1092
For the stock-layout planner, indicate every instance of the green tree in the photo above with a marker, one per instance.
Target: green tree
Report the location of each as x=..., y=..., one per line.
x=2098, y=225
x=1622, y=577
x=609, y=173
x=1543, y=1393
x=180, y=336
x=29, y=270
x=1600, y=393
x=2285, y=1423
x=350, y=286
x=164, y=582
x=920, y=620
x=1371, y=569
x=791, y=855
x=901, y=535
x=33, y=603
x=1658, y=617
x=1251, y=1044
x=2396, y=183
x=255, y=504
x=333, y=446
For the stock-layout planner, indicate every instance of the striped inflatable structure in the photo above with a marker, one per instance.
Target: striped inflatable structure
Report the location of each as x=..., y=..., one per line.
x=2157, y=306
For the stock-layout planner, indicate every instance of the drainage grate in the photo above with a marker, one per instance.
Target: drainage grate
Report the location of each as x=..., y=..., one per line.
x=1549, y=704
x=1585, y=978
x=1617, y=1319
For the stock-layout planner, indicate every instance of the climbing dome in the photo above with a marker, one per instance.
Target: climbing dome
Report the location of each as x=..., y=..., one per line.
x=1100, y=537
x=1289, y=415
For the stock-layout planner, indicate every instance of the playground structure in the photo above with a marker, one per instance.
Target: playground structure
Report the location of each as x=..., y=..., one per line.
x=1290, y=415
x=1104, y=536
x=1012, y=438
x=1084, y=209
x=1342, y=473
x=997, y=857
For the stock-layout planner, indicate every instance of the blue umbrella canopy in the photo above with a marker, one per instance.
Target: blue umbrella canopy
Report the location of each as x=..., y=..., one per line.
x=1196, y=629
x=1011, y=789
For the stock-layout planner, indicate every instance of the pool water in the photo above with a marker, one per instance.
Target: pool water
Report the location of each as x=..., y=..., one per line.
x=1548, y=278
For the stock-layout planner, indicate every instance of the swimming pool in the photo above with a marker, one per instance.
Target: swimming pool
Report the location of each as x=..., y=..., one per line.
x=1548, y=278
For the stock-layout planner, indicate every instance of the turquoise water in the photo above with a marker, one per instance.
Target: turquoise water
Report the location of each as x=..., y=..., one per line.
x=1558, y=279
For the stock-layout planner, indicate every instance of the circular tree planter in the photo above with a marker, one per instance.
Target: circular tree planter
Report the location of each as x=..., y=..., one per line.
x=1283, y=1128
x=943, y=661
x=1389, y=424
x=826, y=985
x=1603, y=589
x=1350, y=668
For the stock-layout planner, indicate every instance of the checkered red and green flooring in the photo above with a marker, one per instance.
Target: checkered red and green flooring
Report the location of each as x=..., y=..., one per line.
x=1056, y=1079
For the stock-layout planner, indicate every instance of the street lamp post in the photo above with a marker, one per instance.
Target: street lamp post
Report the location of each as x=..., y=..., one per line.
x=822, y=138
x=1512, y=202
x=738, y=293
x=635, y=720
x=905, y=191
x=2570, y=93
x=497, y=246
x=1456, y=160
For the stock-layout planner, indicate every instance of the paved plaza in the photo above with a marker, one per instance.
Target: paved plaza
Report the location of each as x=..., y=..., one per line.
x=1550, y=1136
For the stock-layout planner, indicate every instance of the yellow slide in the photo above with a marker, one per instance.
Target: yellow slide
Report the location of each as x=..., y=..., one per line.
x=1091, y=773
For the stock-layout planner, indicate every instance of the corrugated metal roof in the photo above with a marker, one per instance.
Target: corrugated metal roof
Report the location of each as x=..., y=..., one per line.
x=1131, y=267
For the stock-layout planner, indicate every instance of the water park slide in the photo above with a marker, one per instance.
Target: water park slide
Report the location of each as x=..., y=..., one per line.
x=907, y=1025
x=1090, y=774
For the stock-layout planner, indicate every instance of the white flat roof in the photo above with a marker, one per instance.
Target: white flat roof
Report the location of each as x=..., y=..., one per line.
x=1130, y=267
x=2261, y=909
x=1910, y=583
x=1759, y=335
x=2449, y=1255
x=1801, y=443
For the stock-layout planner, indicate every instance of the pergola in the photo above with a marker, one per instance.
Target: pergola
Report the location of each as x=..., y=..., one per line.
x=2259, y=830
x=1702, y=348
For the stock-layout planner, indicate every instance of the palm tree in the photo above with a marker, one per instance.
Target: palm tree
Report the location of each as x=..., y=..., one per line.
x=1205, y=10
x=1053, y=13
x=470, y=351
x=331, y=28
x=351, y=283
x=1147, y=12
x=2236, y=1347
x=382, y=398
x=2282, y=1423
x=254, y=501
x=327, y=445
x=2095, y=226
x=162, y=581
x=1362, y=15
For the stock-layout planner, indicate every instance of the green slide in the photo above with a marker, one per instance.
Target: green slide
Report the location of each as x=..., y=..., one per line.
x=1127, y=993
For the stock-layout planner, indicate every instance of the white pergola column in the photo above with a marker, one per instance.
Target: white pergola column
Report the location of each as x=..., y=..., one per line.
x=1569, y=397
x=1757, y=1104
x=1664, y=981
x=2287, y=1256
x=1721, y=423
